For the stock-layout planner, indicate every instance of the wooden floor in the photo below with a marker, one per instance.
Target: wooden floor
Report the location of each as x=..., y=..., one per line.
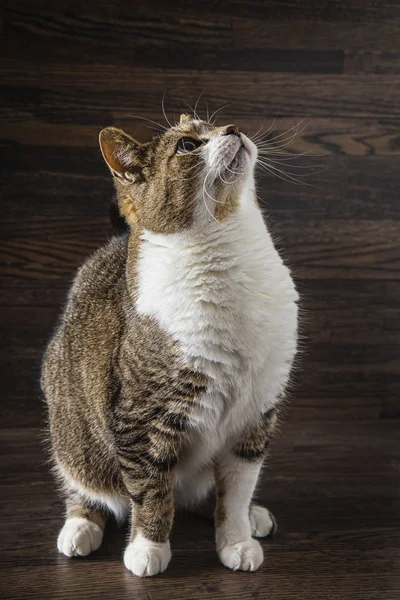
x=70, y=68
x=333, y=487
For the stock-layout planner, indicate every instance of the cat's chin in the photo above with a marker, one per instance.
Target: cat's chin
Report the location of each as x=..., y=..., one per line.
x=248, y=148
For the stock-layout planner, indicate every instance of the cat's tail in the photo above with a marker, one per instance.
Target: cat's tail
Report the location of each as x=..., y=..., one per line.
x=118, y=222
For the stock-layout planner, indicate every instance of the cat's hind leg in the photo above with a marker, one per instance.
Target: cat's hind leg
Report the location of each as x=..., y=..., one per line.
x=262, y=521
x=83, y=529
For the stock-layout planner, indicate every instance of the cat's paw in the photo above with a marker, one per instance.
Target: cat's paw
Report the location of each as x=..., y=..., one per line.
x=79, y=537
x=262, y=522
x=242, y=556
x=145, y=558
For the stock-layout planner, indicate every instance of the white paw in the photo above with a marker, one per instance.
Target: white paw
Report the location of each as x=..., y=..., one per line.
x=145, y=558
x=79, y=537
x=262, y=522
x=243, y=556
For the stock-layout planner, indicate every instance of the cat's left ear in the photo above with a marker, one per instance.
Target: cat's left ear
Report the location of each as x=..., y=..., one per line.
x=124, y=156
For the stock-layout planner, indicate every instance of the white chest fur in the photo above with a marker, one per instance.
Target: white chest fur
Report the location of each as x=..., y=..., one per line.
x=228, y=300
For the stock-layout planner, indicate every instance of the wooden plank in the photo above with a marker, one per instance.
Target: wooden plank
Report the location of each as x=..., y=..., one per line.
x=73, y=87
x=319, y=33
x=173, y=44
x=217, y=10
x=351, y=466
x=321, y=389
x=63, y=183
x=334, y=249
x=316, y=135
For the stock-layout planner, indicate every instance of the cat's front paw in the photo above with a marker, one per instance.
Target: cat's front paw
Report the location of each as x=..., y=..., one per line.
x=262, y=521
x=145, y=558
x=242, y=556
x=79, y=537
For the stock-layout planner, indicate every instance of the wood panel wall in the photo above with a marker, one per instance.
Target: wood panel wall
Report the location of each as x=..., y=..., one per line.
x=70, y=68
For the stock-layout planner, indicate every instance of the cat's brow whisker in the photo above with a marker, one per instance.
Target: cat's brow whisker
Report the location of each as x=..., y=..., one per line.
x=189, y=107
x=217, y=111
x=164, y=113
x=162, y=127
x=196, y=105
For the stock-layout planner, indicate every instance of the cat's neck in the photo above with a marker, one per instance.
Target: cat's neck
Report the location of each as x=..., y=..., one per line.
x=134, y=242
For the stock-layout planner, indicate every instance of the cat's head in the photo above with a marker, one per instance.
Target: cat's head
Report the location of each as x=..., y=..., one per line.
x=193, y=173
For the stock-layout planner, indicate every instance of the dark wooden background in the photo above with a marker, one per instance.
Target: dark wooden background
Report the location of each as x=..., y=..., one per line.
x=70, y=68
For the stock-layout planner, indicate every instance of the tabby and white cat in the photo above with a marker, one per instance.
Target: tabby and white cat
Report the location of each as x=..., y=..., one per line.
x=164, y=377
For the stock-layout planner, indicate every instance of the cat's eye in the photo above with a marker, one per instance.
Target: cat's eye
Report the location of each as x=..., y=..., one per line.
x=187, y=145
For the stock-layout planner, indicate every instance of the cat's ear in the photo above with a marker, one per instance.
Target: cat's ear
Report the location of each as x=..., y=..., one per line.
x=124, y=156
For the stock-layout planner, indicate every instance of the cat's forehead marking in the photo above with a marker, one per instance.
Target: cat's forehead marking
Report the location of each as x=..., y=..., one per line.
x=196, y=127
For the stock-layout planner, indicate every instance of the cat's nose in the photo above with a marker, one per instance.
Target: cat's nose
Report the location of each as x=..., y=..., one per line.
x=231, y=130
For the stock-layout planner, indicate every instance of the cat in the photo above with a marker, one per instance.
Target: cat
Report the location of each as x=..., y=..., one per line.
x=165, y=376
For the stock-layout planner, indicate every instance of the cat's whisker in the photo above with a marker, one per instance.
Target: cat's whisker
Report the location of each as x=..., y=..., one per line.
x=281, y=162
x=211, y=198
x=228, y=182
x=294, y=127
x=217, y=111
x=255, y=136
x=204, y=200
x=233, y=172
x=291, y=138
x=296, y=174
x=281, y=147
x=291, y=155
x=285, y=176
x=260, y=137
x=196, y=105
x=162, y=127
x=265, y=139
x=190, y=108
x=192, y=167
x=164, y=113
x=285, y=143
x=194, y=176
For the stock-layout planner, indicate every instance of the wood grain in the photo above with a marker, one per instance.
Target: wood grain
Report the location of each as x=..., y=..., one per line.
x=337, y=538
x=80, y=86
x=70, y=68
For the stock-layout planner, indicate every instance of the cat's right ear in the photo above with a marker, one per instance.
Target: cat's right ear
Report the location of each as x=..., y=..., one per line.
x=123, y=155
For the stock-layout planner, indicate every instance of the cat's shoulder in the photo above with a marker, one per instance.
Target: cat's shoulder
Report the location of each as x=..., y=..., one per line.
x=102, y=270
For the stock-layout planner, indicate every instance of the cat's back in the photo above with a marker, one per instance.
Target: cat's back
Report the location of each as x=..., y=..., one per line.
x=96, y=279
x=91, y=320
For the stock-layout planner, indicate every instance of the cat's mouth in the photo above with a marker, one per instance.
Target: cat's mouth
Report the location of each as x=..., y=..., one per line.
x=229, y=158
x=248, y=146
x=243, y=156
